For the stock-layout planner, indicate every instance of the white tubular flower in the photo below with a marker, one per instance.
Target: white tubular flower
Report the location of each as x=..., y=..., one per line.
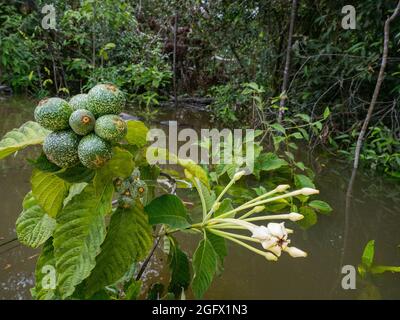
x=294, y=216
x=308, y=191
x=295, y=252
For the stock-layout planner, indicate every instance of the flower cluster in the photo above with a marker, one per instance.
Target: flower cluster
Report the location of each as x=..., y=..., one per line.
x=273, y=238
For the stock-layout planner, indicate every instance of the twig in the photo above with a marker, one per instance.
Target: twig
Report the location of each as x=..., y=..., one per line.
x=379, y=81
x=287, y=62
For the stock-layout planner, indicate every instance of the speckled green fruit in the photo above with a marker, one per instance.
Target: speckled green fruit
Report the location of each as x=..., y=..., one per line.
x=110, y=127
x=93, y=151
x=53, y=114
x=61, y=148
x=105, y=99
x=82, y=122
x=80, y=101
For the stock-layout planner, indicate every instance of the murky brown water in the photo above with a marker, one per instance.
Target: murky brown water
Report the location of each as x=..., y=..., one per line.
x=335, y=241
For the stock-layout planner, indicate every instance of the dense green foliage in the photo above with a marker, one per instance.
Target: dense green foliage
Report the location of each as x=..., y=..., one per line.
x=233, y=51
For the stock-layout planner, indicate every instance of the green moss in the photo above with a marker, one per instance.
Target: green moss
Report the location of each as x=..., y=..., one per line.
x=53, y=114
x=93, y=151
x=111, y=128
x=61, y=148
x=82, y=121
x=105, y=99
x=80, y=101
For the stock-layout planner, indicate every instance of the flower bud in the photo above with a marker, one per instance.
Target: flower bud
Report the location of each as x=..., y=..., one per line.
x=238, y=175
x=258, y=209
x=282, y=187
x=270, y=256
x=295, y=252
x=308, y=191
x=294, y=216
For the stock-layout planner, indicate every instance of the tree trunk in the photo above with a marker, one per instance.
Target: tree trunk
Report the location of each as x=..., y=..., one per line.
x=174, y=59
x=286, y=71
x=375, y=95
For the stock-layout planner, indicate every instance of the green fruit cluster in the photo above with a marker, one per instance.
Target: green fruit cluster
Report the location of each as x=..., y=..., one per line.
x=130, y=189
x=83, y=129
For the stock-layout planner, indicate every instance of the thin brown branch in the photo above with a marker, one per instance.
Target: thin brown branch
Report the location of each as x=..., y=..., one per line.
x=378, y=85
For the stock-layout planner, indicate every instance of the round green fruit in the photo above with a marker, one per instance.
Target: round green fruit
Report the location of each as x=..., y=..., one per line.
x=105, y=99
x=80, y=101
x=82, y=121
x=53, y=114
x=93, y=151
x=110, y=127
x=61, y=148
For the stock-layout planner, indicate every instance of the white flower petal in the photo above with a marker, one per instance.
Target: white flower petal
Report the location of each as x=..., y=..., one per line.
x=261, y=233
x=277, y=229
x=295, y=252
x=266, y=244
x=276, y=250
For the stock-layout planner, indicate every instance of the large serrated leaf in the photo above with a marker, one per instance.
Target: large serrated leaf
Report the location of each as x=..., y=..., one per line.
x=49, y=190
x=136, y=133
x=220, y=248
x=79, y=234
x=168, y=209
x=128, y=240
x=180, y=270
x=45, y=290
x=30, y=133
x=34, y=226
x=204, y=266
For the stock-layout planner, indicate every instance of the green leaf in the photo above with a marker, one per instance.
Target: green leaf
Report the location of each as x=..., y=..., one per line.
x=268, y=162
x=278, y=127
x=44, y=265
x=321, y=206
x=77, y=174
x=79, y=234
x=180, y=270
x=74, y=190
x=204, y=267
x=43, y=164
x=121, y=164
x=382, y=269
x=304, y=117
x=368, y=254
x=310, y=217
x=297, y=135
x=194, y=170
x=300, y=165
x=220, y=248
x=34, y=226
x=327, y=112
x=137, y=133
x=168, y=209
x=302, y=181
x=49, y=190
x=30, y=133
x=132, y=292
x=225, y=206
x=128, y=240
